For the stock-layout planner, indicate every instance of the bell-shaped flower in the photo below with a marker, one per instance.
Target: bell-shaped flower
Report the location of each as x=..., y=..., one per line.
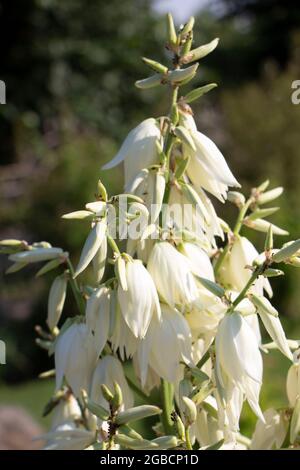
x=207, y=167
x=199, y=260
x=172, y=275
x=139, y=149
x=167, y=344
x=236, y=273
x=68, y=437
x=270, y=434
x=98, y=317
x=293, y=380
x=138, y=299
x=109, y=370
x=75, y=358
x=67, y=411
x=238, y=359
x=122, y=339
x=207, y=429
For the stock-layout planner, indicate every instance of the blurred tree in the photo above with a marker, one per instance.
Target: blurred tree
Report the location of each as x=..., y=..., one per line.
x=85, y=53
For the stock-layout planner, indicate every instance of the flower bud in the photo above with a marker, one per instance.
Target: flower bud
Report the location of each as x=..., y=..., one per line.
x=12, y=243
x=14, y=268
x=269, y=239
x=137, y=413
x=51, y=265
x=36, y=255
x=287, y=251
x=150, y=82
x=78, y=215
x=190, y=410
x=171, y=32
x=236, y=198
x=263, y=226
x=182, y=75
x=269, y=196
x=91, y=246
x=56, y=300
x=101, y=190
x=118, y=396
x=200, y=52
x=156, y=66
x=164, y=442
x=261, y=213
x=198, y=92
x=106, y=393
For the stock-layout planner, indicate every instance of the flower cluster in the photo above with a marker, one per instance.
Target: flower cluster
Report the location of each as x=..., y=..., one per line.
x=186, y=301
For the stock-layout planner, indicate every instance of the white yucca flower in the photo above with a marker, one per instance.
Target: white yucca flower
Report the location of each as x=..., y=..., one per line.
x=172, y=275
x=68, y=437
x=293, y=380
x=238, y=359
x=138, y=150
x=270, y=434
x=98, y=317
x=199, y=260
x=207, y=167
x=75, y=358
x=235, y=273
x=109, y=370
x=166, y=345
x=207, y=429
x=67, y=411
x=122, y=339
x=139, y=300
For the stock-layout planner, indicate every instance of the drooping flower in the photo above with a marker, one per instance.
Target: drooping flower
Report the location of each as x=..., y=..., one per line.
x=138, y=150
x=270, y=434
x=238, y=359
x=172, y=275
x=236, y=273
x=75, y=358
x=166, y=345
x=98, y=317
x=109, y=370
x=139, y=301
x=207, y=167
x=293, y=380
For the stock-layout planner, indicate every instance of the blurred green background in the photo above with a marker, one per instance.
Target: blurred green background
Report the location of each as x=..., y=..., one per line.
x=69, y=69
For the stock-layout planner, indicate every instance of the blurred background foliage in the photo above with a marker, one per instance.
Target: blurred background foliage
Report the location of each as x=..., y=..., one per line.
x=70, y=69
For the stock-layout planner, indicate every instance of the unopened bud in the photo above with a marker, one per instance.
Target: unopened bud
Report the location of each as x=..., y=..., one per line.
x=101, y=190
x=269, y=195
x=236, y=198
x=171, y=32
x=263, y=226
x=106, y=393
x=118, y=396
x=263, y=305
x=287, y=251
x=269, y=239
x=182, y=75
x=156, y=66
x=190, y=410
x=198, y=92
x=150, y=82
x=188, y=26
x=97, y=410
x=199, y=52
x=136, y=413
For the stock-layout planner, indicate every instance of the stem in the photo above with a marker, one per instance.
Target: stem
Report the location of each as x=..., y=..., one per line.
x=167, y=405
x=258, y=271
x=188, y=439
x=76, y=291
